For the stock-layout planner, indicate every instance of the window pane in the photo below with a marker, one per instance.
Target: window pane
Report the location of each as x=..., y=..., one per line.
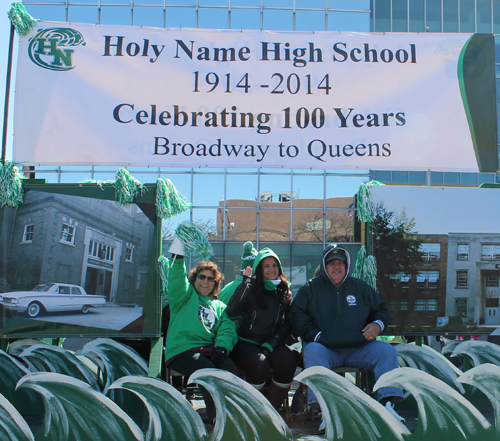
x=382, y=12
x=148, y=16
x=117, y=15
x=203, y=181
x=344, y=186
x=450, y=15
x=467, y=16
x=245, y=18
x=241, y=185
x=433, y=19
x=83, y=14
x=181, y=17
x=305, y=260
x=469, y=179
x=278, y=20
x=274, y=224
x=39, y=12
x=496, y=16
x=417, y=16
x=308, y=225
x=340, y=226
x=399, y=17
x=349, y=4
x=310, y=20
x=276, y=185
x=348, y=21
x=452, y=178
x=241, y=223
x=382, y=176
x=484, y=16
x=309, y=191
x=206, y=220
x=400, y=177
x=418, y=177
x=213, y=18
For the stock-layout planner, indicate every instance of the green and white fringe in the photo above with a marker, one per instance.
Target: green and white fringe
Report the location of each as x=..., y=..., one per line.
x=98, y=182
x=194, y=240
x=163, y=268
x=366, y=268
x=127, y=187
x=22, y=21
x=169, y=200
x=364, y=205
x=11, y=181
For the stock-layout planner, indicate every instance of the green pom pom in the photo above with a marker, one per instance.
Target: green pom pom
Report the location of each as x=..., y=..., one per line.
x=98, y=182
x=127, y=187
x=21, y=19
x=11, y=179
x=194, y=240
x=169, y=201
x=364, y=205
x=163, y=268
x=366, y=268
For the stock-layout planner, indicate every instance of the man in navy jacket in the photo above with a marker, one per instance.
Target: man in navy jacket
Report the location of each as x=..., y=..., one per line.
x=338, y=318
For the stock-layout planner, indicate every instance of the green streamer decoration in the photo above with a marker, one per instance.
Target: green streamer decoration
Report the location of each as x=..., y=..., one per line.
x=364, y=206
x=127, y=187
x=194, y=240
x=98, y=182
x=366, y=268
x=11, y=179
x=22, y=21
x=163, y=268
x=169, y=200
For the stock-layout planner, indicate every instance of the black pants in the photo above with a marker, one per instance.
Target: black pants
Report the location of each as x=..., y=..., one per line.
x=189, y=362
x=249, y=358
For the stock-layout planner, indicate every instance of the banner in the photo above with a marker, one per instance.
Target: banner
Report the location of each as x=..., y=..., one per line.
x=122, y=95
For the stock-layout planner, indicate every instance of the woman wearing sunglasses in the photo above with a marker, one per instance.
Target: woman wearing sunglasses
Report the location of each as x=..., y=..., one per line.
x=260, y=305
x=200, y=334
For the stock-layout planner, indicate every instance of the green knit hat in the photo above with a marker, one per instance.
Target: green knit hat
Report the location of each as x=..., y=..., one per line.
x=248, y=256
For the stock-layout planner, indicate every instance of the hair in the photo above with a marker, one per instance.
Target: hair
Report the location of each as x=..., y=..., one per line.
x=210, y=266
x=284, y=296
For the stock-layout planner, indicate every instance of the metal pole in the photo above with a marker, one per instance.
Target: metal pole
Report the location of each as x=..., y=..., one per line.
x=7, y=95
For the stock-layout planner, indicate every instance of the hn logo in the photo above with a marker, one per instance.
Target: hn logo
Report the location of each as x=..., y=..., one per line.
x=46, y=48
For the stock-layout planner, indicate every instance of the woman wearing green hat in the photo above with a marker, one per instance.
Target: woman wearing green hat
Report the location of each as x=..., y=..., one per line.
x=260, y=305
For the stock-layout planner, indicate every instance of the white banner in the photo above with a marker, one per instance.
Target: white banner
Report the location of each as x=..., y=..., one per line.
x=122, y=95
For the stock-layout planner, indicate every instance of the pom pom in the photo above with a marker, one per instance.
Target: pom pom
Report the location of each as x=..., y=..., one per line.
x=169, y=201
x=127, y=187
x=194, y=240
x=21, y=19
x=365, y=213
x=99, y=183
x=163, y=268
x=366, y=268
x=11, y=179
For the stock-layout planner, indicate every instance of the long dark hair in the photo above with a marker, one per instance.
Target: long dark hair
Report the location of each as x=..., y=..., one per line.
x=282, y=291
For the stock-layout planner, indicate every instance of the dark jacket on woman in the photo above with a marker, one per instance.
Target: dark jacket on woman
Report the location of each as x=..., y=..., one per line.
x=268, y=324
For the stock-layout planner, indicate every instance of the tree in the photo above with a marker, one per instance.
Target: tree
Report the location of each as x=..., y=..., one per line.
x=395, y=245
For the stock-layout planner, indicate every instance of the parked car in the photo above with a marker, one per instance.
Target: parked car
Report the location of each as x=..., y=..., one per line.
x=51, y=297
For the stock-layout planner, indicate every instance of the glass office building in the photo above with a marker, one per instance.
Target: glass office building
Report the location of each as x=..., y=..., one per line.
x=295, y=212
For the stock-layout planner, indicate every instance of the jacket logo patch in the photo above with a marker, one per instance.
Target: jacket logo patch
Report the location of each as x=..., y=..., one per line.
x=207, y=317
x=351, y=300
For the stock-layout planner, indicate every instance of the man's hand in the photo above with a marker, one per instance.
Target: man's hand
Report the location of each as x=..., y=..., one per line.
x=371, y=331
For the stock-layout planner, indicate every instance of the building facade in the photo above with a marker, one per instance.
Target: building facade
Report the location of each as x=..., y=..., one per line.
x=216, y=194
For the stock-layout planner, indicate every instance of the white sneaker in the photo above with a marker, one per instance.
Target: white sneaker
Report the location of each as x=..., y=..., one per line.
x=390, y=407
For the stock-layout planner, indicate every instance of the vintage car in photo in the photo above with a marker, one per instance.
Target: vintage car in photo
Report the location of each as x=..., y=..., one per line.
x=51, y=297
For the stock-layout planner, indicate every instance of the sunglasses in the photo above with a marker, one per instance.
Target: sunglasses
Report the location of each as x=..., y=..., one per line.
x=203, y=277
